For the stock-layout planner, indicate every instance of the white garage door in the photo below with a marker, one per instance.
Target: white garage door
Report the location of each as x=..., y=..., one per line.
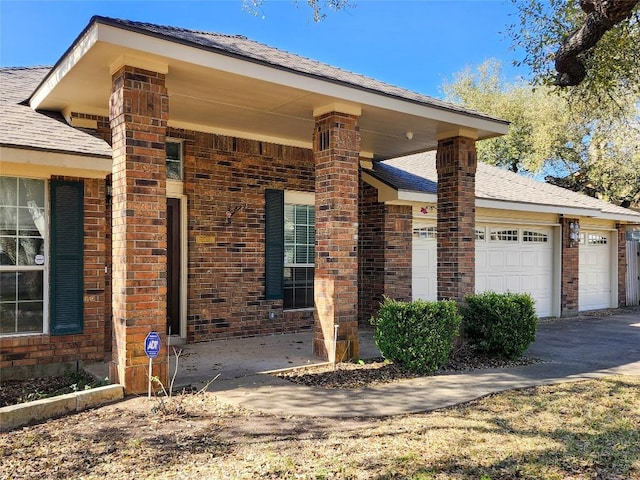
x=512, y=258
x=424, y=284
x=594, y=276
x=516, y=259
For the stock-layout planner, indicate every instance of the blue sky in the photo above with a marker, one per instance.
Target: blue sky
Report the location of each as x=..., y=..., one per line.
x=412, y=44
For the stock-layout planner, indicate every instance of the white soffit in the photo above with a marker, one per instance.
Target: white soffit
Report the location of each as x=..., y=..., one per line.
x=220, y=93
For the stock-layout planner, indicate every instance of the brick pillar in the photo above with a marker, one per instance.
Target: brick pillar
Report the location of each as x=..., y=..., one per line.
x=398, y=229
x=456, y=164
x=622, y=265
x=569, y=288
x=139, y=113
x=336, y=152
x=384, y=252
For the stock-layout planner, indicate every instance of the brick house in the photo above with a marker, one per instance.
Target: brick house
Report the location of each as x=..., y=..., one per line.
x=207, y=186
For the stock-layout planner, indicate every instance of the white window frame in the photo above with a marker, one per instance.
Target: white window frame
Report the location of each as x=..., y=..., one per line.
x=292, y=197
x=44, y=268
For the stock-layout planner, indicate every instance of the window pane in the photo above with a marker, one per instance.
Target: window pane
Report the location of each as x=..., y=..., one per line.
x=29, y=317
x=301, y=214
x=8, y=286
x=174, y=170
x=30, y=286
x=30, y=222
x=289, y=255
x=29, y=249
x=173, y=150
x=8, y=191
x=31, y=192
x=7, y=317
x=8, y=220
x=8, y=251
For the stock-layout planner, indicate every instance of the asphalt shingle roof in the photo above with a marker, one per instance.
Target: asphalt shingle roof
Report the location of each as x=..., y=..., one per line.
x=417, y=173
x=242, y=47
x=22, y=127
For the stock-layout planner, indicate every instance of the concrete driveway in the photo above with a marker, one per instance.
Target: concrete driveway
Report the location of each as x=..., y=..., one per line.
x=588, y=346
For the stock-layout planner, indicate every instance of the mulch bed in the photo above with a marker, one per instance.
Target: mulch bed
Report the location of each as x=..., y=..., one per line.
x=378, y=371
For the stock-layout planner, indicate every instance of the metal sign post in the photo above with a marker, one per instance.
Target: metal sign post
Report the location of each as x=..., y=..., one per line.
x=152, y=349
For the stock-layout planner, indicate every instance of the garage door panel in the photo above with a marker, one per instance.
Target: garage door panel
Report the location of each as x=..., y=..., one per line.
x=530, y=259
x=518, y=266
x=512, y=259
x=424, y=281
x=594, y=278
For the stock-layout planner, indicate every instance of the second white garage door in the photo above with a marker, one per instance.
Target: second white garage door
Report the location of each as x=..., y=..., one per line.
x=594, y=278
x=508, y=258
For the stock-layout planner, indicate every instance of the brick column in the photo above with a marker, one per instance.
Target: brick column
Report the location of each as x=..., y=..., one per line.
x=456, y=164
x=336, y=152
x=569, y=289
x=139, y=113
x=622, y=265
x=384, y=252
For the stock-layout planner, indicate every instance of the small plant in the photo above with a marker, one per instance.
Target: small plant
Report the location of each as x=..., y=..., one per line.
x=417, y=335
x=500, y=324
x=167, y=402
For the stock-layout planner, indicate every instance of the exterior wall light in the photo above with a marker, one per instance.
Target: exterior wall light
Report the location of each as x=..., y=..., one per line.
x=574, y=233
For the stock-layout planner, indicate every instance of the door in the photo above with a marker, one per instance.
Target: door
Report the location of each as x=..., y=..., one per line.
x=594, y=279
x=424, y=269
x=518, y=259
x=173, y=266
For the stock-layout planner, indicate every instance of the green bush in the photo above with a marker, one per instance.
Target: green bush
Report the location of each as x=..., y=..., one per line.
x=499, y=324
x=417, y=335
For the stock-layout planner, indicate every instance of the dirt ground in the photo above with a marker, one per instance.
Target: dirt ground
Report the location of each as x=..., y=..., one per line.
x=572, y=431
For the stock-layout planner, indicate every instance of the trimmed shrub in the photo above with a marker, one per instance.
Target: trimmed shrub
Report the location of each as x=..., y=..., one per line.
x=500, y=324
x=417, y=335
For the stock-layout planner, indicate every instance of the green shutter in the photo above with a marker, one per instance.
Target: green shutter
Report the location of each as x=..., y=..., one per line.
x=274, y=244
x=66, y=257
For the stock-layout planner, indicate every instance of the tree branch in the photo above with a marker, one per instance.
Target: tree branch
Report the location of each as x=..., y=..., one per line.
x=602, y=16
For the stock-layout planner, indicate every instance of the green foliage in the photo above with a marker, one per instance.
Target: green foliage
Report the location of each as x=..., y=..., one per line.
x=541, y=125
x=417, y=335
x=500, y=324
x=613, y=65
x=590, y=151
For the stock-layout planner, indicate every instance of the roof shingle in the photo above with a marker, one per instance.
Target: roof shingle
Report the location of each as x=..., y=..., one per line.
x=417, y=173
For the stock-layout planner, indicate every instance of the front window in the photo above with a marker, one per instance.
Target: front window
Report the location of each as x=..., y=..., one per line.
x=299, y=255
x=22, y=255
x=174, y=160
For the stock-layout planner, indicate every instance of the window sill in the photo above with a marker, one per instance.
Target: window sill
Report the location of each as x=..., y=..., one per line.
x=293, y=310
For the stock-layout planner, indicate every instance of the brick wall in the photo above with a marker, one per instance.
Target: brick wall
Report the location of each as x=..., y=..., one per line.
x=139, y=110
x=456, y=163
x=226, y=268
x=569, y=288
x=336, y=153
x=38, y=354
x=384, y=252
x=622, y=265
x=103, y=128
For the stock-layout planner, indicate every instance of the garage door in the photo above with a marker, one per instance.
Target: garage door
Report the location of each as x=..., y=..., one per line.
x=508, y=258
x=517, y=259
x=424, y=284
x=595, y=271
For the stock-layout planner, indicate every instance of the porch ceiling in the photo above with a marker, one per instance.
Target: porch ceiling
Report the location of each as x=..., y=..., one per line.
x=227, y=94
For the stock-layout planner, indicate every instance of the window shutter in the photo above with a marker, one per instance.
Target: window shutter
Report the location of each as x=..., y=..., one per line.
x=66, y=257
x=274, y=244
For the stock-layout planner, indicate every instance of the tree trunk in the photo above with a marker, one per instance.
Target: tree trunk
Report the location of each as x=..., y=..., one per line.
x=602, y=16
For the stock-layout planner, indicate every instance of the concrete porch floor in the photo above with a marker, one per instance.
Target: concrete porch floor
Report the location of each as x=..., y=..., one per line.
x=243, y=357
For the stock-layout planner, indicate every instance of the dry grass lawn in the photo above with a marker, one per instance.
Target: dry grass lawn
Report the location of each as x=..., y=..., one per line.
x=581, y=430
